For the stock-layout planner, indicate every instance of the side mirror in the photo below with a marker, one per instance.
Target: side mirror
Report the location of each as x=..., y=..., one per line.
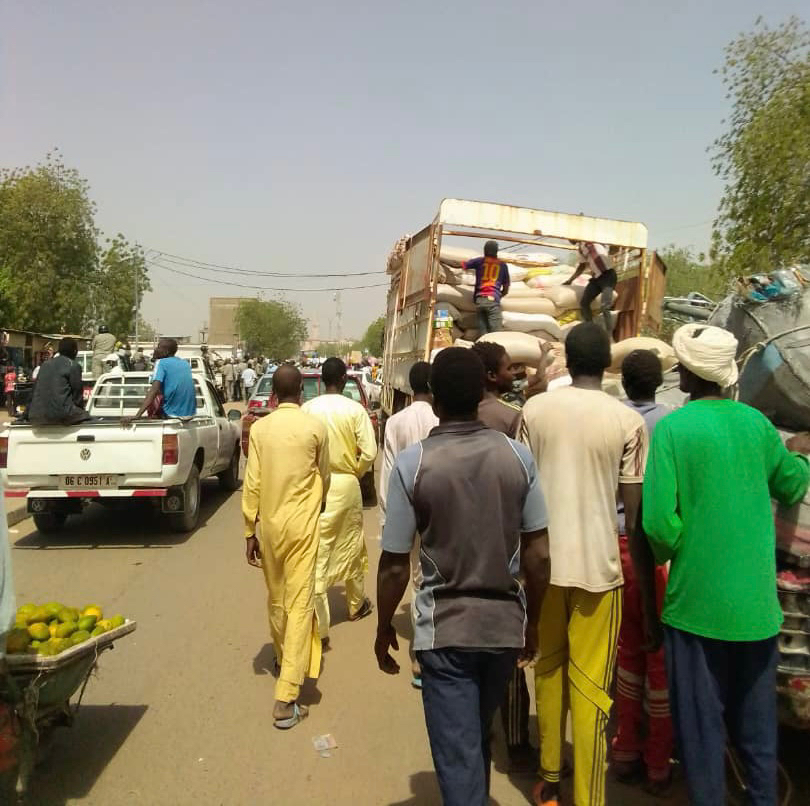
x=234, y=415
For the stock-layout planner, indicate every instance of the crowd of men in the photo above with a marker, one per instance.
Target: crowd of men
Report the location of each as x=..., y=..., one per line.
x=505, y=522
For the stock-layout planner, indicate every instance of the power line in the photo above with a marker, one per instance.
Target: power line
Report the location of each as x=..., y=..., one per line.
x=156, y=264
x=205, y=265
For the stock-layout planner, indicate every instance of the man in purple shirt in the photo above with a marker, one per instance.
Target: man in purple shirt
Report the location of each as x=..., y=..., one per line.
x=491, y=283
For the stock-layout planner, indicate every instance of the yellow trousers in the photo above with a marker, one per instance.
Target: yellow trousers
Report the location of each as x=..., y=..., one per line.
x=579, y=633
x=291, y=609
x=342, y=555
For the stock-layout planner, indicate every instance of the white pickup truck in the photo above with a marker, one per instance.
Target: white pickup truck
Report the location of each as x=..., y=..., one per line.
x=58, y=469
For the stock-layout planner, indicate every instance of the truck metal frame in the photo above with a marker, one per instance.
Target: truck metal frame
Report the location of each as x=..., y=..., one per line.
x=414, y=270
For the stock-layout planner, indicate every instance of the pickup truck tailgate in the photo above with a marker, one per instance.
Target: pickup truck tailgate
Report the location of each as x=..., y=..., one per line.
x=96, y=448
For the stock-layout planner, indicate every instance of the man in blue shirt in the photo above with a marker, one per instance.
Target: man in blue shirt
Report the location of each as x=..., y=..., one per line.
x=472, y=495
x=172, y=382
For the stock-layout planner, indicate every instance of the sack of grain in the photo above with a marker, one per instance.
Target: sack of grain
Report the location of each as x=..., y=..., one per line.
x=456, y=255
x=569, y=297
x=521, y=290
x=544, y=335
x=545, y=280
x=533, y=304
x=531, y=323
x=461, y=343
x=516, y=273
x=467, y=320
x=522, y=348
x=622, y=349
x=461, y=297
x=531, y=259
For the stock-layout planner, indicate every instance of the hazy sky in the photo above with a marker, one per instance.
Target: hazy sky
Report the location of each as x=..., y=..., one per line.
x=304, y=137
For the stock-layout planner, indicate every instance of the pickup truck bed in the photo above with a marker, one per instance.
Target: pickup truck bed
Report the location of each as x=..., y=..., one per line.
x=59, y=468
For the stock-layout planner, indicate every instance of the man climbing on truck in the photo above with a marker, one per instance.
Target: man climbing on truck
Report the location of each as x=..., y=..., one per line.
x=594, y=258
x=491, y=285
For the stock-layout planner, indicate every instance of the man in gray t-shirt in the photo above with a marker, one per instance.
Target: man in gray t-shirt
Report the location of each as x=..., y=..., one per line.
x=472, y=495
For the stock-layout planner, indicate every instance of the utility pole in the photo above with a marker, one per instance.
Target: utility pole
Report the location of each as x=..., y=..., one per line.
x=137, y=305
x=338, y=316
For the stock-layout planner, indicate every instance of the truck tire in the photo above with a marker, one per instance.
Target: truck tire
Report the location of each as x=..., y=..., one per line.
x=187, y=521
x=229, y=478
x=49, y=523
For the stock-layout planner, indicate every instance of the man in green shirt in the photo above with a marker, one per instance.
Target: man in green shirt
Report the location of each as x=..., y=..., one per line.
x=714, y=466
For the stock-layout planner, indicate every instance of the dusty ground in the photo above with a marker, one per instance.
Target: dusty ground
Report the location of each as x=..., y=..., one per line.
x=180, y=712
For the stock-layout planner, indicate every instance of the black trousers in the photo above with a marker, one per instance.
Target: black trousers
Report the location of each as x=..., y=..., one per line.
x=604, y=285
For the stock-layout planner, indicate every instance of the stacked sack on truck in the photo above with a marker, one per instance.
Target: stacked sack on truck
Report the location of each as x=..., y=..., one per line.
x=537, y=303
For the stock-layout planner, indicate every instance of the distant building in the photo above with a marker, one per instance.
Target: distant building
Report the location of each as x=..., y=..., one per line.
x=222, y=327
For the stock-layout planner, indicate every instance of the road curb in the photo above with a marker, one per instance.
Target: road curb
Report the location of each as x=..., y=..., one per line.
x=17, y=516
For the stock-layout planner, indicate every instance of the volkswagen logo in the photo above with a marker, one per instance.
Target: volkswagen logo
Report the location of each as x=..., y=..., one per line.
x=85, y=454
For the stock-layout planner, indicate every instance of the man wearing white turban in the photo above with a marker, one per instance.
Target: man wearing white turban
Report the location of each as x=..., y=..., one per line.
x=714, y=466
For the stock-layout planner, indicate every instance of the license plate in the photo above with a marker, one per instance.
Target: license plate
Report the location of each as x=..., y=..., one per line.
x=96, y=481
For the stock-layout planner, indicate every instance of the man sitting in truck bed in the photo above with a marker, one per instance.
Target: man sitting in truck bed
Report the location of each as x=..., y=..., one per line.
x=172, y=382
x=57, y=398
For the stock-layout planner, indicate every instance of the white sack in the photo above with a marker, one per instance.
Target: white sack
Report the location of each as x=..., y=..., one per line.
x=522, y=348
x=456, y=255
x=622, y=349
x=460, y=297
x=534, y=304
x=532, y=322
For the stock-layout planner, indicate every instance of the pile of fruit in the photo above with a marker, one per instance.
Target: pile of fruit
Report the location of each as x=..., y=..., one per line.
x=52, y=628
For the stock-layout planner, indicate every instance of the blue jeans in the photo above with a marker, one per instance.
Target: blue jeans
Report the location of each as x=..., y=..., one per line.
x=461, y=690
x=490, y=319
x=719, y=691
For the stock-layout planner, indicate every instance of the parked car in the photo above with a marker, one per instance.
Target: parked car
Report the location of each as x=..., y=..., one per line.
x=58, y=467
x=263, y=391
x=313, y=387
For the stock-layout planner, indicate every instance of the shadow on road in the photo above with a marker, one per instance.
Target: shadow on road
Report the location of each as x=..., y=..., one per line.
x=425, y=790
x=125, y=524
x=80, y=754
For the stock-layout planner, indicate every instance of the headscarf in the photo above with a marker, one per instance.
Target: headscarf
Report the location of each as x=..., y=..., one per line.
x=707, y=351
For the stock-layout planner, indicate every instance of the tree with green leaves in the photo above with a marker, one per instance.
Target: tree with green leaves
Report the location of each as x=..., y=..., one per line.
x=373, y=340
x=274, y=328
x=122, y=267
x=688, y=271
x=764, y=155
x=48, y=248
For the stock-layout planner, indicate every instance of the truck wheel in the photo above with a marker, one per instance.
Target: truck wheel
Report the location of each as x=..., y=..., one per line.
x=229, y=478
x=186, y=521
x=49, y=523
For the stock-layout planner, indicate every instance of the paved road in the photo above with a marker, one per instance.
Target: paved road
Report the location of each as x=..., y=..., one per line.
x=180, y=712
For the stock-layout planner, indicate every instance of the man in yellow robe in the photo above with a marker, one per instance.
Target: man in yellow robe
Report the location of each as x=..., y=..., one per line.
x=286, y=483
x=342, y=552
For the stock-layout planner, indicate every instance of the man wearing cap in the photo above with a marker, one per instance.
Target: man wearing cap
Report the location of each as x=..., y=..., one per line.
x=491, y=284
x=714, y=466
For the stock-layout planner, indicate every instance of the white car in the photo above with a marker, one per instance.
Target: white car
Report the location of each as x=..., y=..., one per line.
x=57, y=468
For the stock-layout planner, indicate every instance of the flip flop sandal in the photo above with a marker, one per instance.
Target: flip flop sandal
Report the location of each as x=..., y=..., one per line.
x=299, y=712
x=416, y=682
x=537, y=796
x=365, y=610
